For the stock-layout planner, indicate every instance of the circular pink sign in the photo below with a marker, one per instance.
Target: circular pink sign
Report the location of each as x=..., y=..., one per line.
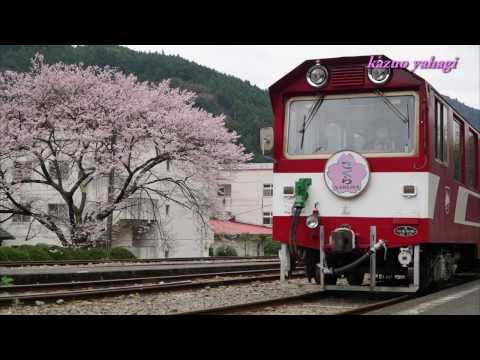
x=347, y=173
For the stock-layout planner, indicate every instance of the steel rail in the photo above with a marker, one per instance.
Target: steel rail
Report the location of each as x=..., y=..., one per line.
x=125, y=281
x=290, y=300
x=462, y=278
x=156, y=263
x=284, y=300
x=117, y=290
x=378, y=305
x=140, y=261
x=188, y=284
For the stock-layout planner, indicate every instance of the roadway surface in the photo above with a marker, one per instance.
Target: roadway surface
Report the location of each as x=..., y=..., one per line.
x=459, y=300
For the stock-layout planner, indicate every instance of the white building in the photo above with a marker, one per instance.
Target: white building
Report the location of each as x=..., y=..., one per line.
x=165, y=229
x=148, y=228
x=246, y=196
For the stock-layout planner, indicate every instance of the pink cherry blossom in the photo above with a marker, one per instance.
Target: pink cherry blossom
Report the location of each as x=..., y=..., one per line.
x=96, y=121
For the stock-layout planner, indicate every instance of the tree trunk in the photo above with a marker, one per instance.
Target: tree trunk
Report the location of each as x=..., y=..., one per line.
x=110, y=199
x=111, y=180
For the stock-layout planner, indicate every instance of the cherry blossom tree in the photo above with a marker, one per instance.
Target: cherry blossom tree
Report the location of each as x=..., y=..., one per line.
x=63, y=127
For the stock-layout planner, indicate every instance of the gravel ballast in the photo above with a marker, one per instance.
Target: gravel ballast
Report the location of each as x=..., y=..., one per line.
x=165, y=303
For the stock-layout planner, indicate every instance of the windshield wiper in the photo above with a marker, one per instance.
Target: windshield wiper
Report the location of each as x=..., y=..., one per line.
x=311, y=115
x=405, y=119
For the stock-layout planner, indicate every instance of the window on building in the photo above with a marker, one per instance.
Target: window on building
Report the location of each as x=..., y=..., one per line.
x=225, y=190
x=457, y=149
x=63, y=167
x=19, y=218
x=441, y=122
x=472, y=161
x=267, y=218
x=58, y=211
x=167, y=209
x=22, y=170
x=267, y=190
x=168, y=165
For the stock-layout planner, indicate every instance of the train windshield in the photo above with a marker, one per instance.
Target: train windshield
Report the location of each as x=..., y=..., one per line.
x=369, y=124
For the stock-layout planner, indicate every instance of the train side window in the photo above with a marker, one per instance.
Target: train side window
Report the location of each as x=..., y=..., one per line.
x=472, y=158
x=457, y=149
x=441, y=122
x=445, y=132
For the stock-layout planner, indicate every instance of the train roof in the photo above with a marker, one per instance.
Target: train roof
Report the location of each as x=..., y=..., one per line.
x=301, y=70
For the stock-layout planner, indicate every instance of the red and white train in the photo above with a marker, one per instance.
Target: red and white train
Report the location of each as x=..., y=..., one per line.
x=374, y=173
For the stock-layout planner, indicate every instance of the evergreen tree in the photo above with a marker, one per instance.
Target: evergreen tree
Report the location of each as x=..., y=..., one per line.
x=246, y=106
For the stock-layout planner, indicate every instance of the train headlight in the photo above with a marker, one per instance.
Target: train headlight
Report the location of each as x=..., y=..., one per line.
x=405, y=257
x=379, y=75
x=317, y=75
x=312, y=221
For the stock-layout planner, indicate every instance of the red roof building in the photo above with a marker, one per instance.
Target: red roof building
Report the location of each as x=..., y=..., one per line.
x=231, y=227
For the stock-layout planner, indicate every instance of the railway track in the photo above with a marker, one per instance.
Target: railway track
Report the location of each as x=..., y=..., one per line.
x=374, y=301
x=328, y=302
x=99, y=288
x=77, y=273
x=135, y=261
x=298, y=300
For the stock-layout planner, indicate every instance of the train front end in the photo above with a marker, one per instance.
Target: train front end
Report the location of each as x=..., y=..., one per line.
x=351, y=186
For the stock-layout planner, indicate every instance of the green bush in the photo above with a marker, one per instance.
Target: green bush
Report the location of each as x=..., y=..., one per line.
x=43, y=252
x=98, y=254
x=271, y=248
x=81, y=254
x=226, y=251
x=14, y=254
x=120, y=253
x=3, y=254
x=18, y=255
x=41, y=246
x=60, y=253
x=38, y=253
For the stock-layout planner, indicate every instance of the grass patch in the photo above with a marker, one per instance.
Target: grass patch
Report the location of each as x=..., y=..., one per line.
x=6, y=281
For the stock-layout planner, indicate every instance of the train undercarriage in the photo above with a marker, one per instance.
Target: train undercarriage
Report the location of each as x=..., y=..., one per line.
x=415, y=269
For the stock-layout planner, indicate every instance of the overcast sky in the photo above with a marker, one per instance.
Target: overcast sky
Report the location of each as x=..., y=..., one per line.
x=262, y=65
